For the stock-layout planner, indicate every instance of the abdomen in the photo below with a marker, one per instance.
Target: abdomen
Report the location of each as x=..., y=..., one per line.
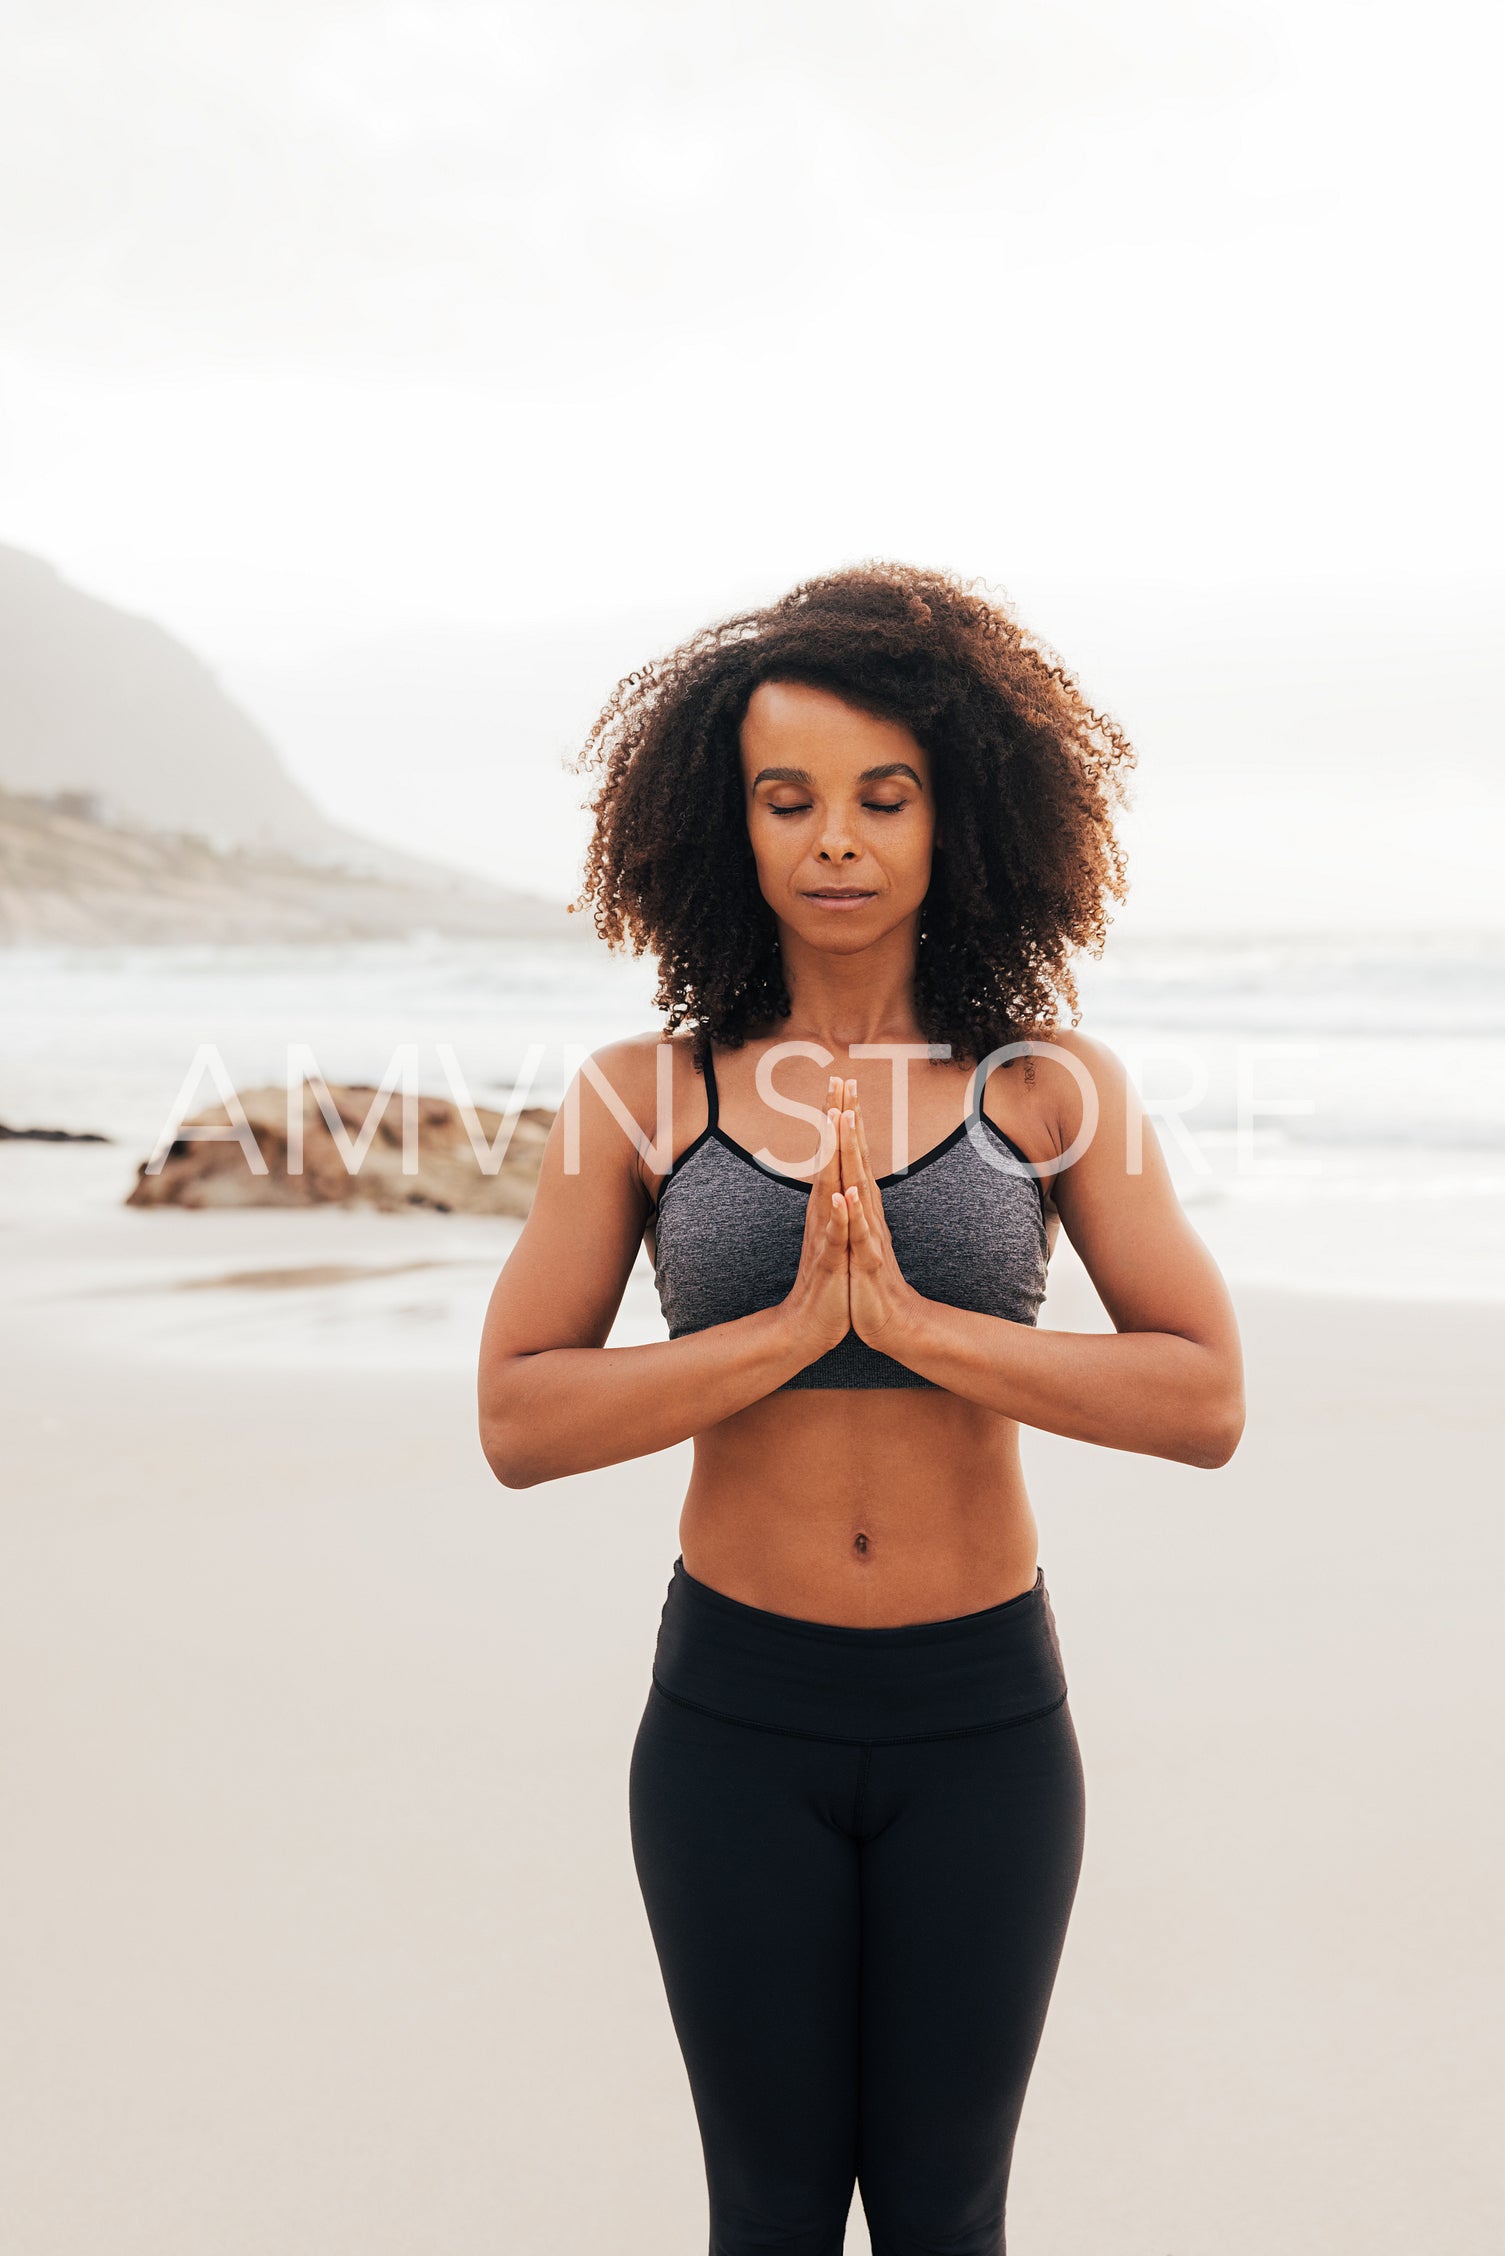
x=872, y=1507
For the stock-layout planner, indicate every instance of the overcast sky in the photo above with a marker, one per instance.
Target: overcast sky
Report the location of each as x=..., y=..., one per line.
x=438, y=336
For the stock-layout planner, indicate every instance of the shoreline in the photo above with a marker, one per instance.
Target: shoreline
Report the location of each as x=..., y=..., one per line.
x=348, y=1287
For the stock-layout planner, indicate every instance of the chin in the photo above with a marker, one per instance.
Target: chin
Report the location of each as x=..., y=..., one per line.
x=844, y=935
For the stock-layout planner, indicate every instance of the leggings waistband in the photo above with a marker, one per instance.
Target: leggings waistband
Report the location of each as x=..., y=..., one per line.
x=824, y=1680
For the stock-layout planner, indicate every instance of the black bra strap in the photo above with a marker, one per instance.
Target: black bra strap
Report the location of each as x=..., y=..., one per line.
x=712, y=1101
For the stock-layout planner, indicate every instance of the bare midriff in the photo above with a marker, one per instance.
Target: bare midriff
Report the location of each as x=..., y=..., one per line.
x=870, y=1507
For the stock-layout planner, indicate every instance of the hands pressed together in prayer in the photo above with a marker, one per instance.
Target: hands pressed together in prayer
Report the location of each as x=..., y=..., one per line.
x=848, y=1276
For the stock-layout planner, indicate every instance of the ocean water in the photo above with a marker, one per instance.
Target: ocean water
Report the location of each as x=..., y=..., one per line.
x=1334, y=1114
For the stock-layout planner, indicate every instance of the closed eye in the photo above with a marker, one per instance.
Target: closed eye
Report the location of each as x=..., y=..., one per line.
x=874, y=806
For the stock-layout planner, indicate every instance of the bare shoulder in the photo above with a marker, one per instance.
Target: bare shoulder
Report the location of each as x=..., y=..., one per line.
x=644, y=1086
x=634, y=1068
x=1067, y=1081
x=1079, y=1069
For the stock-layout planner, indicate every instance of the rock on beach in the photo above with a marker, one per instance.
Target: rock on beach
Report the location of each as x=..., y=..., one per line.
x=450, y=1177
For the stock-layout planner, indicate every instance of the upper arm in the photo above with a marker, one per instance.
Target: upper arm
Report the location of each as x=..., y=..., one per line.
x=1118, y=1205
x=564, y=1279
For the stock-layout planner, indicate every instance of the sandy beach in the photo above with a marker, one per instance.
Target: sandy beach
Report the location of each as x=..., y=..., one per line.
x=322, y=1927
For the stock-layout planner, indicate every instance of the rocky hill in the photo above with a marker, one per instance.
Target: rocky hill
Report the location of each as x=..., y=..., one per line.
x=95, y=699
x=67, y=875
x=139, y=802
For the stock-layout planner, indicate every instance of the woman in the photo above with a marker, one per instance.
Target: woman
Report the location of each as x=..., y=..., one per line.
x=863, y=831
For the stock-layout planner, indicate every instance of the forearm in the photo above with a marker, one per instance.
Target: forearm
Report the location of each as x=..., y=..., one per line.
x=1154, y=1392
x=574, y=1409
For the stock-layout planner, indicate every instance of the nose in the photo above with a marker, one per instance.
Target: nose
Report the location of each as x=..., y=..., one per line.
x=835, y=845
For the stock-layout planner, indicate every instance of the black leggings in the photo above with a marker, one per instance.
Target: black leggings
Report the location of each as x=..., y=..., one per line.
x=858, y=1850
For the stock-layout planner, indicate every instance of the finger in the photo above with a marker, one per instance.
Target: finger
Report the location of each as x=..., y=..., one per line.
x=873, y=1236
x=858, y=1225
x=826, y=1230
x=827, y=1176
x=852, y=1168
x=853, y=1101
x=830, y=1174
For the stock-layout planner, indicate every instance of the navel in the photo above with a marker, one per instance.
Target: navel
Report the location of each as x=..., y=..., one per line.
x=860, y=1545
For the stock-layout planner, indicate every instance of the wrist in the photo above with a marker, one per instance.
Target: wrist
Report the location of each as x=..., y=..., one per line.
x=796, y=1333
x=904, y=1326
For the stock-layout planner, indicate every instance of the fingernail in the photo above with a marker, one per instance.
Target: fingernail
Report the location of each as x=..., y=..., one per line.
x=850, y=1118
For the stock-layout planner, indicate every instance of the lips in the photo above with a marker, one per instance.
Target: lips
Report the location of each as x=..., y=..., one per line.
x=838, y=896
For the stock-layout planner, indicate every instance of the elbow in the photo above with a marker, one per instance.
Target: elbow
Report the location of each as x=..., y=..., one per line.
x=519, y=1439
x=1218, y=1434
x=513, y=1472
x=506, y=1465
x=504, y=1445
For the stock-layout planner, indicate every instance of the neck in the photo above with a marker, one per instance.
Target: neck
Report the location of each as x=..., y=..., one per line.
x=866, y=997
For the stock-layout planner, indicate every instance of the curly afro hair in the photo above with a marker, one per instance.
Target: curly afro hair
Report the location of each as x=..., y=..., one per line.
x=1027, y=776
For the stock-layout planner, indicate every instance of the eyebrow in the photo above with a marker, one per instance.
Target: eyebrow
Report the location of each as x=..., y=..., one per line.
x=868, y=775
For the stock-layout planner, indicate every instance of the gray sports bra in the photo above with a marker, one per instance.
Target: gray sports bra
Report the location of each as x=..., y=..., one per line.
x=967, y=1220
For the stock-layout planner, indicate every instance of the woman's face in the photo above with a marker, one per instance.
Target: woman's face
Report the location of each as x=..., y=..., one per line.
x=840, y=812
